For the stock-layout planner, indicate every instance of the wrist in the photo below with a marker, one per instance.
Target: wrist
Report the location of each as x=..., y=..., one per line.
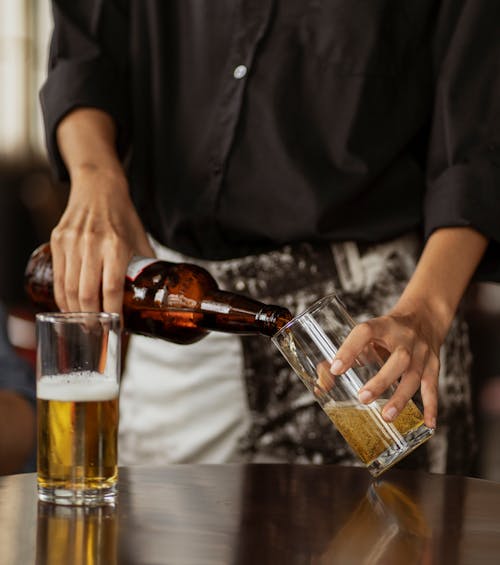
x=86, y=172
x=87, y=141
x=443, y=272
x=434, y=309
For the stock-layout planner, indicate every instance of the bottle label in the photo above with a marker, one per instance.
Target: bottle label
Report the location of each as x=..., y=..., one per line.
x=137, y=265
x=209, y=306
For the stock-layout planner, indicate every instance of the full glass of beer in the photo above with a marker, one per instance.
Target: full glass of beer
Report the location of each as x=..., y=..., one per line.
x=309, y=343
x=78, y=371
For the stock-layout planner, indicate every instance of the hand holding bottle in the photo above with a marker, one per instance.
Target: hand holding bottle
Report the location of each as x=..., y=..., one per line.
x=94, y=241
x=179, y=302
x=100, y=230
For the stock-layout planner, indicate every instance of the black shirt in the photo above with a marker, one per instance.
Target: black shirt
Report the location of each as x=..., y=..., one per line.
x=251, y=124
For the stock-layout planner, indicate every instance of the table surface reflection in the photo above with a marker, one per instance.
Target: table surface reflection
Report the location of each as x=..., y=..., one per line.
x=234, y=514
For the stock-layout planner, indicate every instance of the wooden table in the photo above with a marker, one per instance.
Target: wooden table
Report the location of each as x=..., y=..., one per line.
x=259, y=514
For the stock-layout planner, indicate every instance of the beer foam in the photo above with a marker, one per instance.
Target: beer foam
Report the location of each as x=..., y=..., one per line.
x=86, y=386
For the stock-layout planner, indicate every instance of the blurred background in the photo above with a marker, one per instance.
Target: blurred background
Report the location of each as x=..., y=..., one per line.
x=31, y=203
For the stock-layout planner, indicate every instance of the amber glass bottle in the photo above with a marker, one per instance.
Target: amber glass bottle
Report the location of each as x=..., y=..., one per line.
x=179, y=302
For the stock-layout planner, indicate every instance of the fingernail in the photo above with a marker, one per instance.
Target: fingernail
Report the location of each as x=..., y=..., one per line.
x=433, y=423
x=390, y=413
x=365, y=396
x=336, y=367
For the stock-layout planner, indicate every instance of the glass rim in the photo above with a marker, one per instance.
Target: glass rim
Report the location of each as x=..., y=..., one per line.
x=311, y=308
x=60, y=317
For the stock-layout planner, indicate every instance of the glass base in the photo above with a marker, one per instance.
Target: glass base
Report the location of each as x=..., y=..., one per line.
x=79, y=497
x=393, y=454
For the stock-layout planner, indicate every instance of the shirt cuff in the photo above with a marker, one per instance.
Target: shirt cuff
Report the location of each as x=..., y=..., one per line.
x=73, y=84
x=468, y=195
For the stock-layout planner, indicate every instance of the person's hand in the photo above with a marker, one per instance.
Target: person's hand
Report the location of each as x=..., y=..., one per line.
x=411, y=342
x=94, y=241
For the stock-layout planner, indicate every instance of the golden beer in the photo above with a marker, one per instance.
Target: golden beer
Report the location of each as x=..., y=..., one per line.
x=359, y=425
x=77, y=433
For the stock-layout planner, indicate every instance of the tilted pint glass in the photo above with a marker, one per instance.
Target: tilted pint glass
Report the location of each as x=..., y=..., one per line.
x=309, y=343
x=78, y=368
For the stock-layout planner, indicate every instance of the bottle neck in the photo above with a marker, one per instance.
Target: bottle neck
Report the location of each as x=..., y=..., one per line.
x=272, y=318
x=235, y=313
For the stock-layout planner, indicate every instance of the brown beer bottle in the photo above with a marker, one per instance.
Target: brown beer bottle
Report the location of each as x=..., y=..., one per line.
x=179, y=302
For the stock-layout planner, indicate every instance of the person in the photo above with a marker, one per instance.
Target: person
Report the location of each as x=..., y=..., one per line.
x=17, y=406
x=294, y=149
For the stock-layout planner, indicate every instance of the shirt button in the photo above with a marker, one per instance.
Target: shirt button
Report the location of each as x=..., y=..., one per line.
x=240, y=71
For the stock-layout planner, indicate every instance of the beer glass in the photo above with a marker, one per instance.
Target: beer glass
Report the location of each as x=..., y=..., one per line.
x=309, y=343
x=78, y=368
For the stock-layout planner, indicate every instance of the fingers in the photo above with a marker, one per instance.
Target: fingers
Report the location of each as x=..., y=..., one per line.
x=412, y=362
x=89, y=273
x=354, y=344
x=325, y=380
x=410, y=365
x=396, y=365
x=90, y=281
x=113, y=275
x=72, y=279
x=423, y=373
x=98, y=233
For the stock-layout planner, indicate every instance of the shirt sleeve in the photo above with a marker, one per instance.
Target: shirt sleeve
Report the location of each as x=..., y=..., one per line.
x=16, y=374
x=464, y=153
x=87, y=68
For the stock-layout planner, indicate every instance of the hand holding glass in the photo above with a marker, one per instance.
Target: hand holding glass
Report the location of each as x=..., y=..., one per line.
x=309, y=343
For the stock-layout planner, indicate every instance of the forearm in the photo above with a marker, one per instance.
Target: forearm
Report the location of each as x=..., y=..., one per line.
x=17, y=431
x=443, y=273
x=100, y=229
x=87, y=141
